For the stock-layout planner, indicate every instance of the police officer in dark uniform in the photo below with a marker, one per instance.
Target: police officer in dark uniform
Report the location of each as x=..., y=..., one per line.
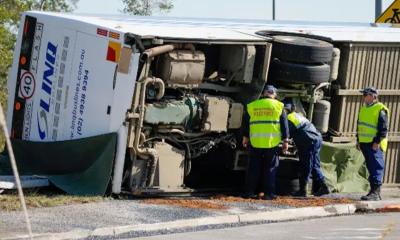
x=308, y=141
x=372, y=132
x=265, y=128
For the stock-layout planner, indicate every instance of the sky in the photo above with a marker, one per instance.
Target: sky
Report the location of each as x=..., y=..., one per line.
x=308, y=10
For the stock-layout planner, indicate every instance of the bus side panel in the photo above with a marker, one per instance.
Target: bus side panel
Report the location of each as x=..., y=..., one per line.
x=91, y=90
x=124, y=89
x=62, y=81
x=41, y=87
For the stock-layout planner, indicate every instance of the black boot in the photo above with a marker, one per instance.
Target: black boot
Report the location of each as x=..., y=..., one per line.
x=270, y=196
x=249, y=195
x=374, y=194
x=314, y=186
x=303, y=189
x=322, y=189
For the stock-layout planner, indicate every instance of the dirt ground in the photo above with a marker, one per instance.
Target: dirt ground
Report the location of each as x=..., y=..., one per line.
x=219, y=202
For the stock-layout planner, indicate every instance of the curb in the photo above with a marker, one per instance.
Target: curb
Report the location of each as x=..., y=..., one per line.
x=244, y=218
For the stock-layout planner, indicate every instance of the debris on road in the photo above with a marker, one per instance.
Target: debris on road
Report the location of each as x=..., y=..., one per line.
x=188, y=203
x=389, y=208
x=290, y=201
x=219, y=202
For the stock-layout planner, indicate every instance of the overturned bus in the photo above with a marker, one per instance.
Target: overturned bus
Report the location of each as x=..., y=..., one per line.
x=161, y=100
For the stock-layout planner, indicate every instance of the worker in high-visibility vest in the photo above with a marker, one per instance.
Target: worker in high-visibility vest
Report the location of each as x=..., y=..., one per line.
x=265, y=128
x=308, y=141
x=372, y=131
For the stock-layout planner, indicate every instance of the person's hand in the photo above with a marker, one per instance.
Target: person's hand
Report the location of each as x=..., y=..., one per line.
x=358, y=146
x=375, y=146
x=245, y=142
x=285, y=146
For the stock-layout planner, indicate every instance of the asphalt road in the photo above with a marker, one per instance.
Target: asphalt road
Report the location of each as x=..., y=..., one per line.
x=358, y=227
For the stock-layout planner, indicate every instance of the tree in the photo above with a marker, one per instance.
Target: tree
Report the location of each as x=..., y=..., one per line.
x=10, y=11
x=9, y=15
x=53, y=5
x=146, y=7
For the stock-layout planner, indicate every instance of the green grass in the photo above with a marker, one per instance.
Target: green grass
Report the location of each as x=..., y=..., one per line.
x=34, y=199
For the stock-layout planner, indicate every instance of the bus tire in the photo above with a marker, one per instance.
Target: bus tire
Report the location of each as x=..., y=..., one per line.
x=285, y=72
x=301, y=49
x=288, y=168
x=287, y=187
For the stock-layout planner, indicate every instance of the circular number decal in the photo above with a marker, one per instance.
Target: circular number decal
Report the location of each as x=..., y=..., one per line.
x=27, y=85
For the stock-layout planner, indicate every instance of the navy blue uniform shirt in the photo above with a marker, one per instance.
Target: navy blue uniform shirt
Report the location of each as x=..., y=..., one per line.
x=305, y=135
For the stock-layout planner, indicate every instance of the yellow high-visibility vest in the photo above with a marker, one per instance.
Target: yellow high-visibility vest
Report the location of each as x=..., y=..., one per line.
x=297, y=119
x=368, y=124
x=265, y=128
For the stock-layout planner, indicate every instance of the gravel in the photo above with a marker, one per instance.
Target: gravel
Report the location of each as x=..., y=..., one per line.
x=95, y=215
x=131, y=212
x=117, y=213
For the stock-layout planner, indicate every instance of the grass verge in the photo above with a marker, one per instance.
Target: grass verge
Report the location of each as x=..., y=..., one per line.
x=39, y=199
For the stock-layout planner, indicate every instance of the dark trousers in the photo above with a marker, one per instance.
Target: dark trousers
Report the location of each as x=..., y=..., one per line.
x=375, y=163
x=262, y=167
x=310, y=162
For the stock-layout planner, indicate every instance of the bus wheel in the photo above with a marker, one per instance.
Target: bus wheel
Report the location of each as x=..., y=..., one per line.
x=301, y=49
x=295, y=73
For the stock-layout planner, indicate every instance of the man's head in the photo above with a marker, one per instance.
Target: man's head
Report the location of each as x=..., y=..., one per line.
x=370, y=95
x=288, y=105
x=269, y=91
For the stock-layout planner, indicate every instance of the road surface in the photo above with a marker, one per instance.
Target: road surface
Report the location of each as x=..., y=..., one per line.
x=358, y=227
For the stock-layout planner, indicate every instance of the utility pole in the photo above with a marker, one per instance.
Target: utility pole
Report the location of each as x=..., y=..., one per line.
x=273, y=10
x=378, y=8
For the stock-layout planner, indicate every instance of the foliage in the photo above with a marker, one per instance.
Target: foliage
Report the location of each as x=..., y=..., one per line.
x=52, y=5
x=146, y=7
x=9, y=16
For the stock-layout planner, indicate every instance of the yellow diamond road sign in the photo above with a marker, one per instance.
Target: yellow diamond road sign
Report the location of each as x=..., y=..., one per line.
x=391, y=15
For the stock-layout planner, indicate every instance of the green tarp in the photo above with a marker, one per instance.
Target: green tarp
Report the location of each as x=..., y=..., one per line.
x=79, y=167
x=344, y=167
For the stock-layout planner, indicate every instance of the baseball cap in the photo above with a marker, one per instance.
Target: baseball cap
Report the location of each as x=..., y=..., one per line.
x=270, y=89
x=369, y=91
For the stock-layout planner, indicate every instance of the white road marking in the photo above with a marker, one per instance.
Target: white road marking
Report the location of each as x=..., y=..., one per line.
x=345, y=237
x=358, y=229
x=350, y=233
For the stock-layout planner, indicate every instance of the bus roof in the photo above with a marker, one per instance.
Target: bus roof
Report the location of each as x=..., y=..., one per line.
x=233, y=29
